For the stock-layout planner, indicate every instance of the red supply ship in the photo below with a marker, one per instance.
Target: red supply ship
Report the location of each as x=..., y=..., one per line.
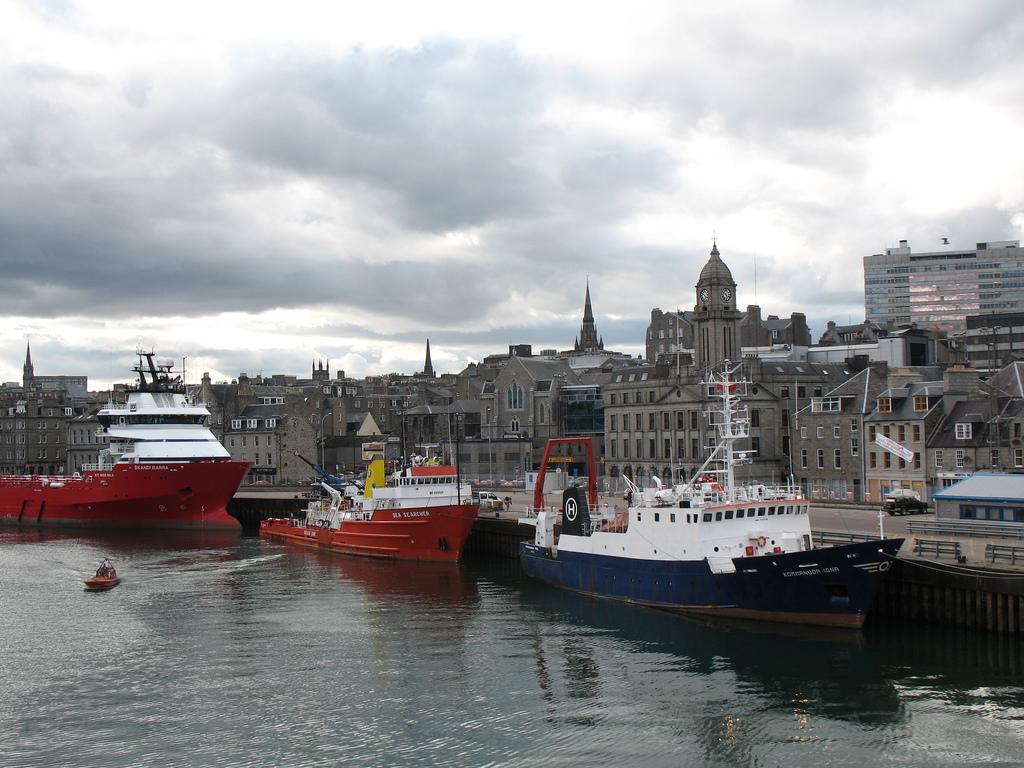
x=422, y=513
x=162, y=469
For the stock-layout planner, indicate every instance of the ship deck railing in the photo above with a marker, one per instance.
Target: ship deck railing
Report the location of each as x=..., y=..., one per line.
x=839, y=538
x=13, y=481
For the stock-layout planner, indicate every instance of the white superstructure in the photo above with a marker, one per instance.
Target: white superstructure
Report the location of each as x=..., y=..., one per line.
x=158, y=423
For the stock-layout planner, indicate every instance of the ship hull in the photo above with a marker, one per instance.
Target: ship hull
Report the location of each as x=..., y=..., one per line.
x=426, y=533
x=187, y=495
x=827, y=587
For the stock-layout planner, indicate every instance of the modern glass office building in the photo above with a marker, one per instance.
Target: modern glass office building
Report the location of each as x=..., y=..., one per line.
x=940, y=289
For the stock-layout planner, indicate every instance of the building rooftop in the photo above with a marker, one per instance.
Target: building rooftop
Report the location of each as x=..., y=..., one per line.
x=986, y=486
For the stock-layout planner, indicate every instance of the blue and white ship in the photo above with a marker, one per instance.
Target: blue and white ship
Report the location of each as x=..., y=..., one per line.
x=710, y=545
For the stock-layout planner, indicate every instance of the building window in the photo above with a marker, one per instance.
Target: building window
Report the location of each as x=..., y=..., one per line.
x=901, y=432
x=855, y=425
x=693, y=419
x=803, y=458
x=801, y=392
x=666, y=420
x=920, y=402
x=638, y=421
x=854, y=446
x=613, y=423
x=639, y=448
x=803, y=433
x=1018, y=457
x=250, y=423
x=680, y=419
x=915, y=433
x=271, y=423
x=887, y=460
x=514, y=426
x=625, y=448
x=871, y=433
x=917, y=460
x=615, y=399
x=938, y=459
x=514, y=397
x=821, y=458
x=236, y=423
x=668, y=448
x=651, y=421
x=755, y=418
x=994, y=457
x=960, y=458
x=836, y=431
x=614, y=446
x=755, y=445
x=837, y=458
x=964, y=431
x=885, y=405
x=872, y=460
x=820, y=431
x=653, y=448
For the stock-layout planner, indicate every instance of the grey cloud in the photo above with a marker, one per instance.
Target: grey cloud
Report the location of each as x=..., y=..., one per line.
x=446, y=130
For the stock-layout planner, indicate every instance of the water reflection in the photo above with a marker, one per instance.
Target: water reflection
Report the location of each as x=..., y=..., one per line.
x=731, y=689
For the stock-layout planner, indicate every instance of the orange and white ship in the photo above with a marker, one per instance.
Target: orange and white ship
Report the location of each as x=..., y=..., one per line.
x=163, y=468
x=424, y=512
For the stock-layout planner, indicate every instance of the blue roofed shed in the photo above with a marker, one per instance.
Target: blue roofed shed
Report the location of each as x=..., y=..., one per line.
x=982, y=496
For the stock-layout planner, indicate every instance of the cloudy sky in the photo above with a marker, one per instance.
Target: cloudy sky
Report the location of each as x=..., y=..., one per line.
x=259, y=185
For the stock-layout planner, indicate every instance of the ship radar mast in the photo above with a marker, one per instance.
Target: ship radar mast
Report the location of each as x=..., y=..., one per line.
x=731, y=421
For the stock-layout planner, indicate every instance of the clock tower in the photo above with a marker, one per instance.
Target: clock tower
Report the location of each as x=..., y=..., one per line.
x=716, y=319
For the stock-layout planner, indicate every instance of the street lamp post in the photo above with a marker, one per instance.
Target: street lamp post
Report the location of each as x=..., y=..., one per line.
x=322, y=442
x=490, y=456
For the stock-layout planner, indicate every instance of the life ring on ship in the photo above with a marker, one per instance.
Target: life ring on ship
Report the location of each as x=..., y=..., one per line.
x=761, y=541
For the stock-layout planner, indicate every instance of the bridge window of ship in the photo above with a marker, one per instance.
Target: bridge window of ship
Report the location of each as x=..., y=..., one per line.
x=760, y=512
x=707, y=517
x=657, y=517
x=771, y=510
x=672, y=517
x=718, y=517
x=638, y=517
x=728, y=514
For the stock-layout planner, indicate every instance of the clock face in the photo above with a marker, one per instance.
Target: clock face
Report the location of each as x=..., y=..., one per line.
x=726, y=294
x=705, y=294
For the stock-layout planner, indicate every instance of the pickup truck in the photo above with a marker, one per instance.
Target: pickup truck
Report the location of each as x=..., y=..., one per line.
x=904, y=502
x=488, y=501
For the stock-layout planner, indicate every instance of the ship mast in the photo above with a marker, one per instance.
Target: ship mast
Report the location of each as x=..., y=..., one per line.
x=732, y=423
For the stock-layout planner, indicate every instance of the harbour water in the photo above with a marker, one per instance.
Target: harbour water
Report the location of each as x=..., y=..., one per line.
x=236, y=652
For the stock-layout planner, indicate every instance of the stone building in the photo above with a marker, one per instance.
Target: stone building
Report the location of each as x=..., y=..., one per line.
x=829, y=455
x=906, y=412
x=656, y=415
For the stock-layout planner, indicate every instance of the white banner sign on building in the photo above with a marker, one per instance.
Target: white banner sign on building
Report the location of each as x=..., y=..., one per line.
x=893, y=447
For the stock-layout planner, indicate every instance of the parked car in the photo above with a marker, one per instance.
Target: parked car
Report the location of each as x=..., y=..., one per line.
x=488, y=501
x=903, y=501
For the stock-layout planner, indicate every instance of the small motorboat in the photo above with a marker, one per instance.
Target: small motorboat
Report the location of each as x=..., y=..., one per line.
x=106, y=577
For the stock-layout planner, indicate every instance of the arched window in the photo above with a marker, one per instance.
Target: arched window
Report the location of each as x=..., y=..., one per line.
x=514, y=397
x=514, y=426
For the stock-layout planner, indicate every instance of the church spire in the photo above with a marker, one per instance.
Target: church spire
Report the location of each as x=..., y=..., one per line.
x=588, y=340
x=588, y=312
x=428, y=368
x=28, y=372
